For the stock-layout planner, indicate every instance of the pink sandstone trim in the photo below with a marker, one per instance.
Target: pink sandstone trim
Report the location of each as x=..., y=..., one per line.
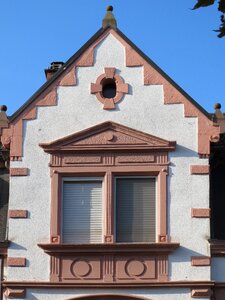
x=48, y=100
x=109, y=263
x=201, y=293
x=69, y=78
x=197, y=284
x=87, y=58
x=14, y=134
x=16, y=262
x=55, y=239
x=104, y=170
x=117, y=160
x=206, y=128
x=200, y=212
x=15, y=293
x=19, y=171
x=199, y=169
x=121, y=88
x=200, y=261
x=110, y=72
x=18, y=214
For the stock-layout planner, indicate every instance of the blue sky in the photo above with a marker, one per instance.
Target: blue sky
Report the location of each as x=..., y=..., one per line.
x=34, y=33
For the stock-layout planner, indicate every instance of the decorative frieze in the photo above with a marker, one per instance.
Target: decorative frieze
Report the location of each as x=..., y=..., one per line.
x=135, y=158
x=115, y=268
x=109, y=159
x=78, y=159
x=54, y=268
x=105, y=263
x=80, y=268
x=56, y=160
x=108, y=269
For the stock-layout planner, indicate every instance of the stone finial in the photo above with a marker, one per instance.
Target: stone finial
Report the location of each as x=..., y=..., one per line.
x=218, y=113
x=3, y=107
x=3, y=117
x=217, y=106
x=109, y=19
x=219, y=117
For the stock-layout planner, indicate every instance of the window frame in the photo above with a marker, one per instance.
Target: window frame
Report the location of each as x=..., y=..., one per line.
x=115, y=203
x=108, y=150
x=79, y=179
x=109, y=174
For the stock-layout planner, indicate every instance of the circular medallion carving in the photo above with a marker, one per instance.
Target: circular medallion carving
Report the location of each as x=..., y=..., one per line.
x=135, y=267
x=80, y=268
x=109, y=136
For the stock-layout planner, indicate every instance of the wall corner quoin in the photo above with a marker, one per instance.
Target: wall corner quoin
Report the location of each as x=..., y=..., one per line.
x=205, y=293
x=207, y=132
x=15, y=293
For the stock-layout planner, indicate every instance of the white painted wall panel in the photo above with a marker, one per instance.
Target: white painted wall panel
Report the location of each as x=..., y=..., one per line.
x=151, y=294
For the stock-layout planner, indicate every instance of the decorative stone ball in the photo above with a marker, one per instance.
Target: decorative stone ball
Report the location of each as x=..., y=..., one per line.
x=3, y=107
x=109, y=8
x=217, y=106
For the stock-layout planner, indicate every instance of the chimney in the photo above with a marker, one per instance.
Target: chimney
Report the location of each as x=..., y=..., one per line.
x=54, y=67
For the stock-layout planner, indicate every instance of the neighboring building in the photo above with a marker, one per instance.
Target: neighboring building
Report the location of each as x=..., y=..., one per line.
x=4, y=193
x=109, y=183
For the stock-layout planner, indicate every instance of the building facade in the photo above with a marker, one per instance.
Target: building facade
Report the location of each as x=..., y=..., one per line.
x=109, y=182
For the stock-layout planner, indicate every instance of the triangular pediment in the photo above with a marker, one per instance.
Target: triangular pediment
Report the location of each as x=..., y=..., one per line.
x=109, y=136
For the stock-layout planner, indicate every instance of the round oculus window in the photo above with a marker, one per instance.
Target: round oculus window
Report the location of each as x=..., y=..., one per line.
x=109, y=88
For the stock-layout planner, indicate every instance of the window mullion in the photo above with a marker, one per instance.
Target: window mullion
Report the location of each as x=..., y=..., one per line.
x=109, y=213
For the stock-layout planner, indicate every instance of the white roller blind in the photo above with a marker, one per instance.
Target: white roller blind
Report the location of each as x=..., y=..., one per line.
x=82, y=211
x=135, y=209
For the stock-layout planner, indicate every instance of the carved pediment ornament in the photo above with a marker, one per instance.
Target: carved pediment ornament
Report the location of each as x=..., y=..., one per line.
x=109, y=136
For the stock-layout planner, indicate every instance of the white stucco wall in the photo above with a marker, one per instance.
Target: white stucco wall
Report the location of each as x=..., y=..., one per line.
x=142, y=109
x=151, y=294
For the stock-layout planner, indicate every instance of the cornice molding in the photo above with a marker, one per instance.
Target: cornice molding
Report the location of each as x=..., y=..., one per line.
x=156, y=248
x=60, y=285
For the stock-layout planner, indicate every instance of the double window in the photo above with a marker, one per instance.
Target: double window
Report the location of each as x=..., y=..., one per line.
x=109, y=184
x=109, y=206
x=84, y=209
